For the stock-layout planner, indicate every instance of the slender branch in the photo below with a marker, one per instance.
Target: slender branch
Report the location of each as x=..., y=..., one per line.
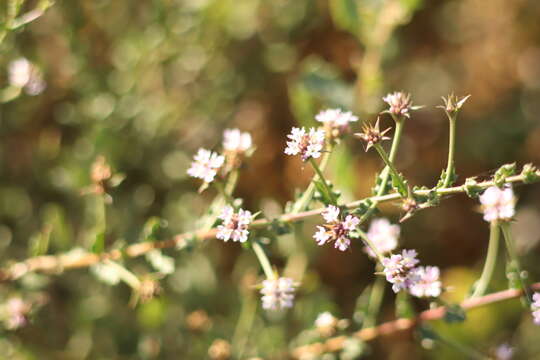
x=323, y=181
x=390, y=165
x=73, y=260
x=337, y=343
x=510, y=247
x=491, y=259
x=308, y=194
x=263, y=260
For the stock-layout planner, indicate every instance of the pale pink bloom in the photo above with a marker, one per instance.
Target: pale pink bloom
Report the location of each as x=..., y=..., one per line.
x=307, y=145
x=399, y=103
x=504, y=352
x=336, y=229
x=383, y=235
x=23, y=74
x=498, y=204
x=426, y=282
x=336, y=119
x=206, y=165
x=16, y=312
x=398, y=269
x=235, y=225
x=278, y=293
x=235, y=140
x=536, y=308
x=326, y=323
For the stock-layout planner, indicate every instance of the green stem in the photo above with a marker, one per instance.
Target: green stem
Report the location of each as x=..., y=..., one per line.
x=469, y=352
x=390, y=165
x=375, y=299
x=221, y=189
x=323, y=181
x=263, y=260
x=510, y=247
x=370, y=244
x=451, y=148
x=491, y=259
x=308, y=194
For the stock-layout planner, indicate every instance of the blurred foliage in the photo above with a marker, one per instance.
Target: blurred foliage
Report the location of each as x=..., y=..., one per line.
x=146, y=83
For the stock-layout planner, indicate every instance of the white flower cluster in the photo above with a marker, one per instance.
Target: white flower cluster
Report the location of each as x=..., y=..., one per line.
x=498, y=204
x=278, y=293
x=306, y=144
x=235, y=225
x=23, y=74
x=206, y=164
x=536, y=308
x=336, y=229
x=383, y=235
x=401, y=271
x=236, y=141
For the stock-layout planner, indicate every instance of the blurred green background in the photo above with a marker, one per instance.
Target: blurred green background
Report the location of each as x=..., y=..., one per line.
x=146, y=83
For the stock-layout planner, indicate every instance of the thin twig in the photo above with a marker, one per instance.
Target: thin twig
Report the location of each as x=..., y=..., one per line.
x=337, y=343
x=59, y=263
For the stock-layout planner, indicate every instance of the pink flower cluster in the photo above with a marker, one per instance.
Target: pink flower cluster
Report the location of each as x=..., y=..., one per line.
x=235, y=225
x=383, y=235
x=536, y=308
x=206, y=164
x=336, y=229
x=277, y=293
x=401, y=271
x=498, y=204
x=336, y=121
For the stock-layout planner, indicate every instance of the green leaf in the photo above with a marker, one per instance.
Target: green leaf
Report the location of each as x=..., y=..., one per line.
x=400, y=186
x=530, y=172
x=503, y=172
x=442, y=179
x=471, y=188
x=154, y=229
x=99, y=244
x=322, y=194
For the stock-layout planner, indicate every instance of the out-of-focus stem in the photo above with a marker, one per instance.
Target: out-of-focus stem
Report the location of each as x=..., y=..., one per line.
x=263, y=260
x=370, y=244
x=510, y=247
x=491, y=259
x=375, y=299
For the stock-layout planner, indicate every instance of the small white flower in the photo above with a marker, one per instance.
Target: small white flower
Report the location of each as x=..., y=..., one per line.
x=307, y=145
x=205, y=165
x=23, y=74
x=335, y=229
x=326, y=323
x=426, y=282
x=331, y=213
x=235, y=225
x=235, y=140
x=504, y=352
x=498, y=204
x=383, y=235
x=278, y=293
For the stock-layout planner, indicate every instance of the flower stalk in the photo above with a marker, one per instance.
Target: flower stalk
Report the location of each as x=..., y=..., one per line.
x=491, y=259
x=514, y=259
x=323, y=181
x=263, y=260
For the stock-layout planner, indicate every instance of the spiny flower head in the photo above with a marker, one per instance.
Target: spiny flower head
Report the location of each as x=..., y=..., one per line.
x=399, y=103
x=336, y=228
x=277, y=293
x=536, y=308
x=336, y=121
x=426, y=282
x=236, y=141
x=398, y=269
x=235, y=225
x=498, y=204
x=383, y=235
x=453, y=103
x=205, y=165
x=372, y=134
x=306, y=144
